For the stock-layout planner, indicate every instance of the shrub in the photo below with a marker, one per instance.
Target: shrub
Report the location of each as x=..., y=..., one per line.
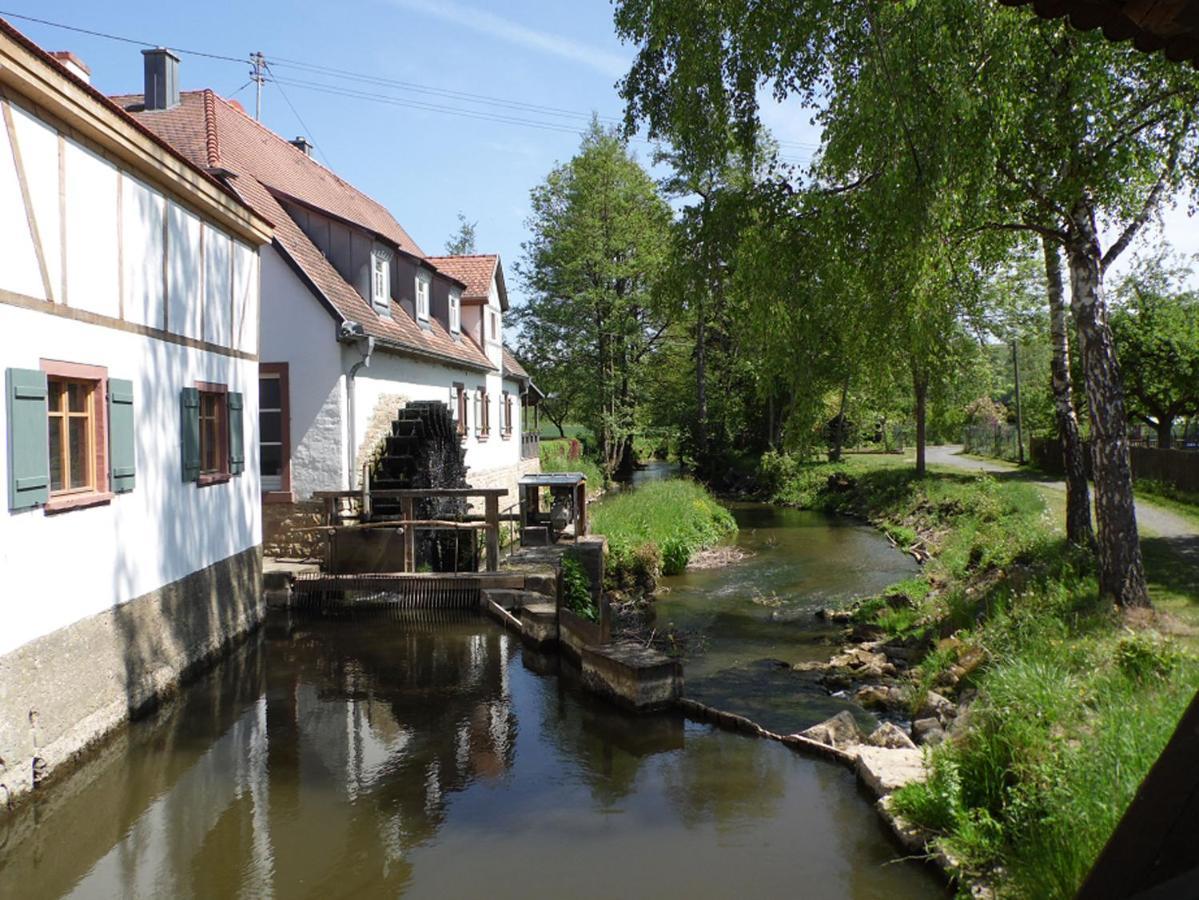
x=576, y=590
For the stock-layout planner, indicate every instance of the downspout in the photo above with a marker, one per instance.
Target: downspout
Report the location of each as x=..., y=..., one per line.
x=352, y=333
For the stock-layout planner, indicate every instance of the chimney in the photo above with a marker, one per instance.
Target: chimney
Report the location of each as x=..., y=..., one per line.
x=304, y=144
x=162, y=78
x=73, y=64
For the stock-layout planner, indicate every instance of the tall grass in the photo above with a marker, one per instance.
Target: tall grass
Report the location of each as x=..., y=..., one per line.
x=568, y=456
x=659, y=525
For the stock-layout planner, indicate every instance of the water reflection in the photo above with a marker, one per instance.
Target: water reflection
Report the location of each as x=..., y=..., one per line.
x=380, y=757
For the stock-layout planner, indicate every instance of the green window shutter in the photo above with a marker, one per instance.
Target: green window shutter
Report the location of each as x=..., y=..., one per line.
x=28, y=439
x=237, y=443
x=120, y=435
x=189, y=408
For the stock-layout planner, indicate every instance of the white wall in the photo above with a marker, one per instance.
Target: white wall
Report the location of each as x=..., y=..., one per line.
x=60, y=568
x=297, y=330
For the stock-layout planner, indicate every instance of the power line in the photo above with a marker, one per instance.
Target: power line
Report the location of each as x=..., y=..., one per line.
x=296, y=112
x=494, y=115
x=117, y=37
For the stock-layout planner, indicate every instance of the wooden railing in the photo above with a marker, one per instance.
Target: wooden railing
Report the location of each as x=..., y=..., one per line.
x=338, y=518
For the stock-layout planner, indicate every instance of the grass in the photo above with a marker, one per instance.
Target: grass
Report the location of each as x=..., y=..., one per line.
x=656, y=529
x=1073, y=701
x=567, y=456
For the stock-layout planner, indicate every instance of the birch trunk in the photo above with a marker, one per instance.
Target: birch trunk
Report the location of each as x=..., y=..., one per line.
x=1121, y=568
x=1078, y=494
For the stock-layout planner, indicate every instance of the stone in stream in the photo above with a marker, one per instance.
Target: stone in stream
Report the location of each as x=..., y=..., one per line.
x=884, y=769
x=892, y=736
x=936, y=707
x=841, y=731
x=878, y=696
x=928, y=731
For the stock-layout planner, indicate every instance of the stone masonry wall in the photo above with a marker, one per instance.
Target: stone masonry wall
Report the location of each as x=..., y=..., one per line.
x=66, y=690
x=282, y=536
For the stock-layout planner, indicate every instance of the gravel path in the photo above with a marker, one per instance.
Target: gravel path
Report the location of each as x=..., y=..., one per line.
x=1178, y=531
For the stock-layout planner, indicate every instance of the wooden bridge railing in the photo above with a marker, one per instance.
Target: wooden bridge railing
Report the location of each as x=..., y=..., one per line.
x=408, y=497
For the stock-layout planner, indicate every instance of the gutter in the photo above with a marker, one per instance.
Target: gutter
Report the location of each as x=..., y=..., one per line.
x=353, y=333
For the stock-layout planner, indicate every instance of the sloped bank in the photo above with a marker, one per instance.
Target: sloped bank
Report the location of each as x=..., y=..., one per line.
x=1040, y=709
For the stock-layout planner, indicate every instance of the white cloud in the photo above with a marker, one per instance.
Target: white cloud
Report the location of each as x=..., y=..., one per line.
x=514, y=33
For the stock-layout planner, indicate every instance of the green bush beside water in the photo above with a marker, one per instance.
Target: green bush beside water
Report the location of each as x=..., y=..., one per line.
x=568, y=456
x=655, y=530
x=1074, y=701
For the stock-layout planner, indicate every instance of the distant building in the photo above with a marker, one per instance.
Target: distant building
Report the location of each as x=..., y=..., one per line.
x=130, y=537
x=357, y=321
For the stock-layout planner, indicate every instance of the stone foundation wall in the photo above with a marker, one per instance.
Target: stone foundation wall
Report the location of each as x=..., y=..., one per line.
x=66, y=690
x=281, y=537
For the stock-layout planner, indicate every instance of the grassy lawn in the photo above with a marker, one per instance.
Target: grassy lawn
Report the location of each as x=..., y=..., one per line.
x=1071, y=700
x=656, y=529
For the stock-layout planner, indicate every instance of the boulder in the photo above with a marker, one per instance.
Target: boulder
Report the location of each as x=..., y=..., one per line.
x=840, y=731
x=928, y=731
x=936, y=707
x=834, y=615
x=890, y=735
x=878, y=696
x=883, y=769
x=863, y=664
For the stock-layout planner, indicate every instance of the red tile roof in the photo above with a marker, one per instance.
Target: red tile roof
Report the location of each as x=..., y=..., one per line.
x=475, y=271
x=264, y=167
x=512, y=365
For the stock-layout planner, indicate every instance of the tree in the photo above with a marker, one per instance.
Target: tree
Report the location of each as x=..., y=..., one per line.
x=462, y=241
x=599, y=241
x=1157, y=335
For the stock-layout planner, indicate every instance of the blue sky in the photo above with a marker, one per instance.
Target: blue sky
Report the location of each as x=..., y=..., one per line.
x=424, y=165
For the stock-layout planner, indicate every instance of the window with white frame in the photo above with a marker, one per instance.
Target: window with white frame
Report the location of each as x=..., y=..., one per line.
x=381, y=279
x=422, y=296
x=455, y=312
x=493, y=327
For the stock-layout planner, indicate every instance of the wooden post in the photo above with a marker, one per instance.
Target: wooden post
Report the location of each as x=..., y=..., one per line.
x=493, y=532
x=407, y=505
x=581, y=510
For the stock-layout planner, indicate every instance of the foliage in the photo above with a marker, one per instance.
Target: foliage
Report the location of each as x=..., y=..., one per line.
x=599, y=233
x=576, y=590
x=1157, y=336
x=655, y=530
x=557, y=456
x=462, y=241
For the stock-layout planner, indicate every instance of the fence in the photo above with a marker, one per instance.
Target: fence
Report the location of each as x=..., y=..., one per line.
x=1179, y=468
x=998, y=441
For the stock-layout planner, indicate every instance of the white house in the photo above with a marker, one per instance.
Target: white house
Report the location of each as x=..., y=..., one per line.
x=357, y=321
x=130, y=536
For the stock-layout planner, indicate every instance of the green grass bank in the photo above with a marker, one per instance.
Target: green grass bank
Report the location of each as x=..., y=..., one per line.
x=1064, y=702
x=656, y=529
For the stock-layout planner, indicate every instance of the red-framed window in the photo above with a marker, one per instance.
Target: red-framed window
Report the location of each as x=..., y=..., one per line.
x=77, y=432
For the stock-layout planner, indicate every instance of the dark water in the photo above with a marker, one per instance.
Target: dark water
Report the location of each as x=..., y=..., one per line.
x=434, y=758
x=750, y=621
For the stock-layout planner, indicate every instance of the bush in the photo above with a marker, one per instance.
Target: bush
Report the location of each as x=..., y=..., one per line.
x=568, y=456
x=576, y=590
x=655, y=530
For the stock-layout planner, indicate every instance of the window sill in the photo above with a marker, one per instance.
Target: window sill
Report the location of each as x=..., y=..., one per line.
x=507, y=436
x=76, y=501
x=219, y=478
x=482, y=437
x=278, y=497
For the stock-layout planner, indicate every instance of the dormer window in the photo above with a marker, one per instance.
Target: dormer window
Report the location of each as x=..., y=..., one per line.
x=455, y=313
x=381, y=280
x=422, y=297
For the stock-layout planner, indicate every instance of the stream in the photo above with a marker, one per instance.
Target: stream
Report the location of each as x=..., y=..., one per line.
x=430, y=755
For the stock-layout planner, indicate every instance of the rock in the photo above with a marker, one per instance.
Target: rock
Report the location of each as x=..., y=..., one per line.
x=878, y=696
x=937, y=707
x=834, y=615
x=840, y=731
x=865, y=631
x=890, y=735
x=883, y=769
x=928, y=731
x=863, y=664
x=808, y=666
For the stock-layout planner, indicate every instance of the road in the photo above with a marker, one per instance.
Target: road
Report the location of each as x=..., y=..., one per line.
x=1179, y=531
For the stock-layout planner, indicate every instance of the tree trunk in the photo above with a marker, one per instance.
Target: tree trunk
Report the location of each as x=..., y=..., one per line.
x=1121, y=568
x=1078, y=493
x=920, y=384
x=839, y=425
x=1165, y=432
x=701, y=393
